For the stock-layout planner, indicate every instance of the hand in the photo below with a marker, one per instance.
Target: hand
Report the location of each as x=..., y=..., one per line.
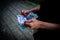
x=34, y=24
x=25, y=12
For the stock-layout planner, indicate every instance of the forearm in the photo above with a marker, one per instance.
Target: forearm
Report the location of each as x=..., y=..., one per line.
x=37, y=8
x=51, y=26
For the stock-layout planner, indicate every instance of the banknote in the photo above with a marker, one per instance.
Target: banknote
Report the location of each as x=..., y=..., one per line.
x=21, y=18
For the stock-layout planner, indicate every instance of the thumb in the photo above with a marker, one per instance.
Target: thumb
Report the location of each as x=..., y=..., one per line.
x=27, y=24
x=28, y=21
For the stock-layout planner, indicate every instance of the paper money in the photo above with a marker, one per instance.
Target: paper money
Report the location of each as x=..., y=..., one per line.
x=21, y=19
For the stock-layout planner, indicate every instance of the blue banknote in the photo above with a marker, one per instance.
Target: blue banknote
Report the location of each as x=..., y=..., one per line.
x=21, y=19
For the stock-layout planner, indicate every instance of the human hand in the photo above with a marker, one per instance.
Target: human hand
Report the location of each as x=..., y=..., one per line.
x=25, y=12
x=34, y=24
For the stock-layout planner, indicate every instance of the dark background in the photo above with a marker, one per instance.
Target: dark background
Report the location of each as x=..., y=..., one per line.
x=40, y=35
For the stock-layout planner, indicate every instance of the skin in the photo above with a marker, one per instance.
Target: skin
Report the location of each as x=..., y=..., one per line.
x=25, y=12
x=35, y=24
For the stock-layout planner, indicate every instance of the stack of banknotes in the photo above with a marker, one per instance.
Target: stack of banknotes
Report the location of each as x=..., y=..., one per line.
x=25, y=29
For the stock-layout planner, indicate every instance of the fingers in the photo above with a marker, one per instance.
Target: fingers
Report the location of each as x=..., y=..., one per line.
x=30, y=25
x=24, y=12
x=27, y=24
x=28, y=21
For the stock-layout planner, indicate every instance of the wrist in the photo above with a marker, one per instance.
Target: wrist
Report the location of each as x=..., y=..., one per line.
x=42, y=24
x=46, y=25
